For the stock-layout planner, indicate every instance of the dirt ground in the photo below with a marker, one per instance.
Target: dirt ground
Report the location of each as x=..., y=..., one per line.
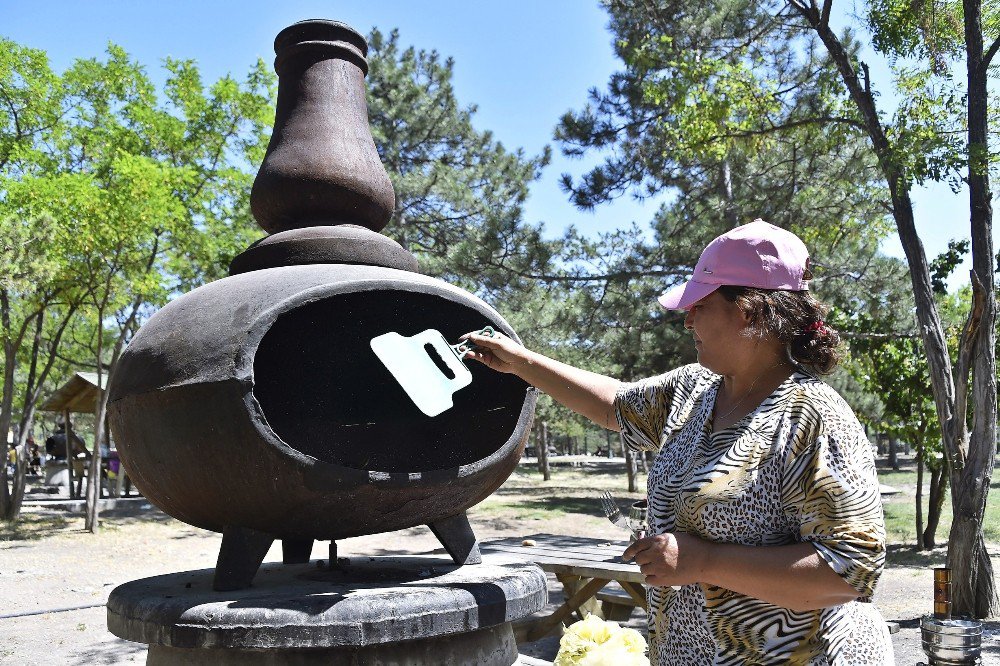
x=55, y=577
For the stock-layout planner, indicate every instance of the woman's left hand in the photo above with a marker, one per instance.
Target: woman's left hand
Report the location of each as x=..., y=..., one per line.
x=673, y=558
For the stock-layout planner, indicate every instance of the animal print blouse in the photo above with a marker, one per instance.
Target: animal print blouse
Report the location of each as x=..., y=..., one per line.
x=798, y=468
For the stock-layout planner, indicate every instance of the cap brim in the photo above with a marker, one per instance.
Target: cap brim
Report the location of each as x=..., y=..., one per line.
x=685, y=295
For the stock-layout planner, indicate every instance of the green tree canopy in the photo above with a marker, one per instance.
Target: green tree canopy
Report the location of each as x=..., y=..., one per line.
x=146, y=194
x=459, y=192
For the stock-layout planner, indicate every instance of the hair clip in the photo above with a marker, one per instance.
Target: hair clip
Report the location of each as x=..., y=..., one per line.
x=815, y=326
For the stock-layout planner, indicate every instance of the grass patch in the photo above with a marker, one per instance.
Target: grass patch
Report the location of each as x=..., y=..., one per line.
x=517, y=511
x=587, y=476
x=901, y=512
x=31, y=526
x=572, y=494
x=574, y=491
x=571, y=491
x=540, y=508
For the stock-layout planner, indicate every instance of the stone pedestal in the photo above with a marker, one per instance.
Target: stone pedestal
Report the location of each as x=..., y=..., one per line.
x=391, y=611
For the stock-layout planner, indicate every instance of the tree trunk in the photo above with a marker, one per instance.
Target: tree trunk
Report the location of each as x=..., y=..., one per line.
x=935, y=505
x=5, y=496
x=630, y=468
x=6, y=397
x=538, y=445
x=68, y=430
x=10, y=503
x=935, y=343
x=543, y=453
x=100, y=434
x=893, y=449
x=20, y=474
x=921, y=545
x=629, y=464
x=32, y=390
x=974, y=591
x=91, y=523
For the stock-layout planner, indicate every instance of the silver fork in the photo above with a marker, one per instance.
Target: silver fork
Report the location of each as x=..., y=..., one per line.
x=612, y=511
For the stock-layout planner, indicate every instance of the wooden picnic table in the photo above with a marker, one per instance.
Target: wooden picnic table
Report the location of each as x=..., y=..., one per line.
x=584, y=566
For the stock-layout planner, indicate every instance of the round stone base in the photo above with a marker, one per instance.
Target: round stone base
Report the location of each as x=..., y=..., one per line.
x=391, y=611
x=494, y=645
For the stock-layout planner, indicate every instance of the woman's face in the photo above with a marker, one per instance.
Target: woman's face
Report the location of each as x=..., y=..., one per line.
x=719, y=330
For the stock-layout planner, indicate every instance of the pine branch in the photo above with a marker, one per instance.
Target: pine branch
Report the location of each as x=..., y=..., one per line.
x=818, y=120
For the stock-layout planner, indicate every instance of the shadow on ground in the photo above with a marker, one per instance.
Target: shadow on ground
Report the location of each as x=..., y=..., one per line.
x=908, y=555
x=120, y=651
x=31, y=526
x=40, y=522
x=548, y=505
x=144, y=514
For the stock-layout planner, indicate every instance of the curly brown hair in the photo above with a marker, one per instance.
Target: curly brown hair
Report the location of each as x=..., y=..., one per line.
x=793, y=317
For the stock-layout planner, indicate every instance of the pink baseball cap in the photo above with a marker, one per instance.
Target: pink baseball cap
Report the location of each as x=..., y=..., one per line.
x=758, y=254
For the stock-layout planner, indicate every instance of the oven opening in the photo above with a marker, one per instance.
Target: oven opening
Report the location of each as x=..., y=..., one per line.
x=325, y=393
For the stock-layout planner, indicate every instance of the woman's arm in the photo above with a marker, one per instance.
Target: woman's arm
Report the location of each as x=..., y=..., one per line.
x=585, y=392
x=792, y=576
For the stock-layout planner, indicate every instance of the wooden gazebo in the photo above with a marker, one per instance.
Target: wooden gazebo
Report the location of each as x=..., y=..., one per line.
x=78, y=395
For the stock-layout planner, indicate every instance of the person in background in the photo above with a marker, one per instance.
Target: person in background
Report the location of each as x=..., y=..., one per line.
x=55, y=444
x=766, y=530
x=34, y=457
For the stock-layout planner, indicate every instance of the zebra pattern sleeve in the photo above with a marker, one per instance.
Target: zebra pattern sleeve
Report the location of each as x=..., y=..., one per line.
x=831, y=489
x=648, y=410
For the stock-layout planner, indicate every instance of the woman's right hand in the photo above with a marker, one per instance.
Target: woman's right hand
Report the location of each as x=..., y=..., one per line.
x=584, y=392
x=497, y=351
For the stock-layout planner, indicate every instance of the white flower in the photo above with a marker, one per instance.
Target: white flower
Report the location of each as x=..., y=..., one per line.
x=596, y=642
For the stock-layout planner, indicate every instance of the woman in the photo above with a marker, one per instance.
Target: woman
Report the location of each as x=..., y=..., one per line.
x=766, y=520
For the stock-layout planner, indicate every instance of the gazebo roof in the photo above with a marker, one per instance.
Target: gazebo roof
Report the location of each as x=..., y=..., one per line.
x=79, y=394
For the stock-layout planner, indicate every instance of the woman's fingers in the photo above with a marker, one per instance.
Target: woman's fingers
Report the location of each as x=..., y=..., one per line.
x=486, y=358
x=489, y=352
x=671, y=558
x=637, y=547
x=494, y=341
x=496, y=351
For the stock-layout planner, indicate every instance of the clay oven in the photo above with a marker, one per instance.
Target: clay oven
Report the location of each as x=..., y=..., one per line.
x=254, y=405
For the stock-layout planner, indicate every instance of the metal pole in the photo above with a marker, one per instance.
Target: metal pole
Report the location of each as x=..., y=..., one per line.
x=68, y=433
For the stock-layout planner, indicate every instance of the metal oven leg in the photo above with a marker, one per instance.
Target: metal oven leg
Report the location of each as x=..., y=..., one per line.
x=240, y=556
x=457, y=537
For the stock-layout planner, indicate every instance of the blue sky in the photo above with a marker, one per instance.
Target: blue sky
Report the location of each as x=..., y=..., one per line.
x=523, y=63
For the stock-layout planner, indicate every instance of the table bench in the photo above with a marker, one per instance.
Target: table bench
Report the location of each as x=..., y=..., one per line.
x=585, y=567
